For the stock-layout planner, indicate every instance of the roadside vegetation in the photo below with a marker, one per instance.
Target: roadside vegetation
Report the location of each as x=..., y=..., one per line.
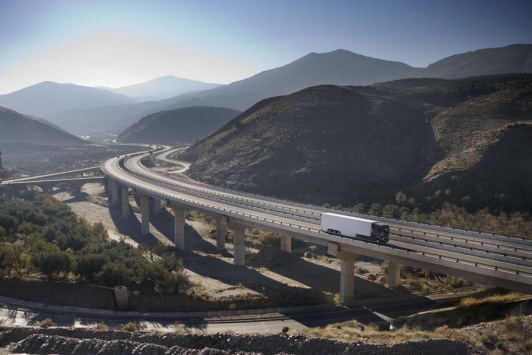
x=486, y=320
x=44, y=237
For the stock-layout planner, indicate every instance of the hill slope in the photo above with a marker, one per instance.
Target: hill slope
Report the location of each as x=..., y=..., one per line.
x=346, y=144
x=516, y=58
x=184, y=125
x=162, y=88
x=21, y=128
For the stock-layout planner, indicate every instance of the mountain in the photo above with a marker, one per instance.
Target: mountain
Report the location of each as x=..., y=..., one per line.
x=470, y=138
x=162, y=88
x=18, y=128
x=339, y=67
x=184, y=125
x=515, y=58
x=47, y=98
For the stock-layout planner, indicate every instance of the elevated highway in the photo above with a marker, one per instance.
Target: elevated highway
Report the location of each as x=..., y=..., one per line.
x=489, y=259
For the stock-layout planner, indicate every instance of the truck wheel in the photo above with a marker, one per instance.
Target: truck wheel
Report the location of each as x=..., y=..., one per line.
x=378, y=240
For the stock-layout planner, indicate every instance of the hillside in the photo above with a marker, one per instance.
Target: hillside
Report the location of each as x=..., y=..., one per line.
x=48, y=98
x=344, y=145
x=184, y=125
x=17, y=127
x=516, y=58
x=162, y=88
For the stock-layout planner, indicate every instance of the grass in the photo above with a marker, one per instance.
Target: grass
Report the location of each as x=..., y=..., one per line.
x=46, y=323
x=130, y=327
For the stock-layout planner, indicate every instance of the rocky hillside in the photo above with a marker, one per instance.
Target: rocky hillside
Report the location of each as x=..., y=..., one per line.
x=184, y=125
x=16, y=127
x=344, y=145
x=85, y=341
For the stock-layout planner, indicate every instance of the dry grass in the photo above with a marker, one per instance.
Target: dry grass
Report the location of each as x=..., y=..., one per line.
x=46, y=323
x=130, y=327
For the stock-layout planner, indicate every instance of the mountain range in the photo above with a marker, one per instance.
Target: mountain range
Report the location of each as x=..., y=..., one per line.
x=339, y=67
x=162, y=88
x=470, y=139
x=48, y=98
x=183, y=125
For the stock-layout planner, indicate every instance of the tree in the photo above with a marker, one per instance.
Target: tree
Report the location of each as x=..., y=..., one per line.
x=52, y=261
x=400, y=197
x=375, y=210
x=390, y=211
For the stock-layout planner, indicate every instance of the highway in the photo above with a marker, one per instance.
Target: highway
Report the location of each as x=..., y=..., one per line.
x=494, y=260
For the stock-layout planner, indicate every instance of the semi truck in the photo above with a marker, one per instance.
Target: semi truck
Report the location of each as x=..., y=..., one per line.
x=354, y=227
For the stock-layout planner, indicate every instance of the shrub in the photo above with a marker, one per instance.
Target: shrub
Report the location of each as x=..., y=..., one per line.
x=130, y=327
x=46, y=323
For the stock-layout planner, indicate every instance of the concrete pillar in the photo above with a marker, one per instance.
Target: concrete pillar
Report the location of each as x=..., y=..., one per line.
x=220, y=233
x=114, y=193
x=239, y=252
x=394, y=274
x=286, y=243
x=109, y=189
x=157, y=206
x=106, y=184
x=145, y=214
x=347, y=276
x=179, y=226
x=125, y=202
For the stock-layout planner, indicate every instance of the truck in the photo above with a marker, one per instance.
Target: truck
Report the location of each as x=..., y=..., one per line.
x=354, y=227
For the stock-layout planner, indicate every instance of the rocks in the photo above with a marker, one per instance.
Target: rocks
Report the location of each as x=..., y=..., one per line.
x=90, y=341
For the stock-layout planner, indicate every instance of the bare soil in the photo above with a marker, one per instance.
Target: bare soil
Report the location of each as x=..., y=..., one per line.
x=271, y=278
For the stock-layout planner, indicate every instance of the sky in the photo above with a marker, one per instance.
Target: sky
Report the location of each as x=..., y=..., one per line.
x=116, y=43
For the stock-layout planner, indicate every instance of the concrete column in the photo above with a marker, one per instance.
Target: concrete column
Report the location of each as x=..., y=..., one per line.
x=239, y=252
x=125, y=202
x=347, y=276
x=286, y=243
x=179, y=226
x=109, y=187
x=114, y=193
x=106, y=184
x=220, y=233
x=157, y=206
x=145, y=214
x=394, y=274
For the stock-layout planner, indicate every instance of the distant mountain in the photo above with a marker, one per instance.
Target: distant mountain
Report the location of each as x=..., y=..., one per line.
x=162, y=88
x=516, y=58
x=16, y=127
x=184, y=125
x=339, y=67
x=343, y=145
x=47, y=98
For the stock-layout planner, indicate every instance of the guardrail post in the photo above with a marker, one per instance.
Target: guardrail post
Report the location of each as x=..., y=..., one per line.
x=394, y=274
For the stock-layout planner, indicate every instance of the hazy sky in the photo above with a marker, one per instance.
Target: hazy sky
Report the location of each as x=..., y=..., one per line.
x=116, y=43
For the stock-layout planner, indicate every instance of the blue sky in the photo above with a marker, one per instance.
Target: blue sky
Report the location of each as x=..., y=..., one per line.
x=116, y=43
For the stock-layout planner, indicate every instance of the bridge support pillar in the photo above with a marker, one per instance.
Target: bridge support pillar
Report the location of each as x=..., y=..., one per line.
x=179, y=226
x=286, y=243
x=239, y=246
x=394, y=274
x=157, y=204
x=106, y=184
x=145, y=214
x=125, y=202
x=220, y=233
x=114, y=193
x=347, y=275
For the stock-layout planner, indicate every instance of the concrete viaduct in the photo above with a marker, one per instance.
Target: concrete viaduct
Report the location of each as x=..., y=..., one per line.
x=494, y=260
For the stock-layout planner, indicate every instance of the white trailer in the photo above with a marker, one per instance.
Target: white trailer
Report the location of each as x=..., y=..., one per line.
x=354, y=227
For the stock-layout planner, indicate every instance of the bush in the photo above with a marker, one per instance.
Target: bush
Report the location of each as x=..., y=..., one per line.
x=51, y=262
x=130, y=327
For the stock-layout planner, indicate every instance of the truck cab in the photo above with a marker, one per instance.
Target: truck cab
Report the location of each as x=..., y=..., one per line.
x=380, y=232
